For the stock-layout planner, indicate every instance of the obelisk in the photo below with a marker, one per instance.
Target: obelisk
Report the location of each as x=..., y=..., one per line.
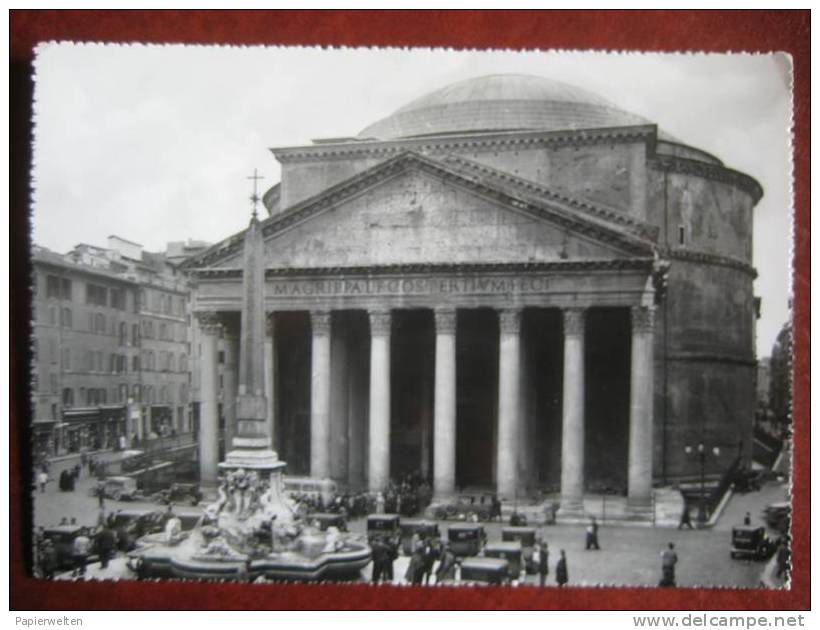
x=251, y=447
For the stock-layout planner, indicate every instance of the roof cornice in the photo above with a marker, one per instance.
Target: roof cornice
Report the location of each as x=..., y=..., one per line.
x=690, y=255
x=716, y=172
x=485, y=140
x=604, y=264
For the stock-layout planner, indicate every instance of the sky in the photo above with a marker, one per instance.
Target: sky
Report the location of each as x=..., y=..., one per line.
x=156, y=143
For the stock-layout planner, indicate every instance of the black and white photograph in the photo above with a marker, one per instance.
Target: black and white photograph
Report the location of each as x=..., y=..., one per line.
x=411, y=316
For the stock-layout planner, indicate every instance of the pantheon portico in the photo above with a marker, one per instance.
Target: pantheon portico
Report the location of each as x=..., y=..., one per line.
x=507, y=284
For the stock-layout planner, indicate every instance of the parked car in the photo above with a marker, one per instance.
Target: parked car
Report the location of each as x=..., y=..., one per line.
x=62, y=537
x=425, y=529
x=383, y=525
x=525, y=536
x=485, y=570
x=326, y=519
x=116, y=488
x=778, y=516
x=466, y=539
x=509, y=551
x=751, y=543
x=180, y=493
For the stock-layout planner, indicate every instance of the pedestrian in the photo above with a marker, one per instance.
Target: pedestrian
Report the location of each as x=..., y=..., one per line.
x=592, y=535
x=561, y=570
x=101, y=495
x=542, y=562
x=747, y=519
x=447, y=566
x=495, y=508
x=80, y=550
x=669, y=558
x=392, y=554
x=685, y=517
x=48, y=561
x=42, y=480
x=429, y=556
x=106, y=542
x=415, y=570
x=377, y=549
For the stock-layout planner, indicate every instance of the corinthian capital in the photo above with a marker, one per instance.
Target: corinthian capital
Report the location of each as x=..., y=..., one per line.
x=379, y=322
x=320, y=322
x=209, y=323
x=509, y=320
x=643, y=319
x=445, y=321
x=574, y=321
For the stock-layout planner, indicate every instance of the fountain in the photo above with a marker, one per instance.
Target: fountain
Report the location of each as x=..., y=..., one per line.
x=252, y=529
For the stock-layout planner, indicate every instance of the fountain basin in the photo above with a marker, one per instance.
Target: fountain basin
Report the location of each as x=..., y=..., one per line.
x=181, y=561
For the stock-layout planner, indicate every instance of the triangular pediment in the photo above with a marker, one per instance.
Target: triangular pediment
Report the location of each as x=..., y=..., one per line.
x=415, y=210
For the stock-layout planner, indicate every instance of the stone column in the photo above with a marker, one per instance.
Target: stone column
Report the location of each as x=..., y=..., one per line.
x=270, y=375
x=379, y=452
x=340, y=370
x=209, y=392
x=444, y=410
x=572, y=440
x=320, y=395
x=640, y=408
x=509, y=404
x=230, y=385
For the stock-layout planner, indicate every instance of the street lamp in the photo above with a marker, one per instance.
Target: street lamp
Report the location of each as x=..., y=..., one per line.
x=701, y=451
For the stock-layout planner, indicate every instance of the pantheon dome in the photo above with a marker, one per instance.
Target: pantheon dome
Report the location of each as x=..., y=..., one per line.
x=502, y=102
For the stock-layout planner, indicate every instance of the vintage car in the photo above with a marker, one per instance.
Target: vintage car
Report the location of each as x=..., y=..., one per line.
x=117, y=488
x=323, y=520
x=526, y=536
x=180, y=493
x=485, y=570
x=62, y=537
x=778, y=516
x=466, y=539
x=324, y=489
x=383, y=525
x=751, y=543
x=509, y=551
x=425, y=529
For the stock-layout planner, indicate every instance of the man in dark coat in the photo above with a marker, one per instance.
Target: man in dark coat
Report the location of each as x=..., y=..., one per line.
x=561, y=570
x=432, y=550
x=48, y=560
x=379, y=551
x=106, y=545
x=668, y=561
x=685, y=517
x=495, y=508
x=447, y=566
x=543, y=563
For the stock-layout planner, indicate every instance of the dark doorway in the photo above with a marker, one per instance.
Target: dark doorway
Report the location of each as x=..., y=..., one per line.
x=543, y=348
x=607, y=357
x=411, y=393
x=292, y=431
x=476, y=396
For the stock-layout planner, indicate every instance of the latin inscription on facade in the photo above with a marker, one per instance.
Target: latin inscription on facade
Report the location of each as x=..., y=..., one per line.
x=408, y=286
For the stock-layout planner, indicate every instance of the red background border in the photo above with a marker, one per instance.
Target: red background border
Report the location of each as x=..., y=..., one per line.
x=665, y=30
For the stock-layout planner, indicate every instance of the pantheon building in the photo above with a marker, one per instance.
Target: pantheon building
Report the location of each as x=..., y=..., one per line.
x=508, y=284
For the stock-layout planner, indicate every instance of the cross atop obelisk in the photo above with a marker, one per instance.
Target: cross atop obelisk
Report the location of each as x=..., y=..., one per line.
x=255, y=196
